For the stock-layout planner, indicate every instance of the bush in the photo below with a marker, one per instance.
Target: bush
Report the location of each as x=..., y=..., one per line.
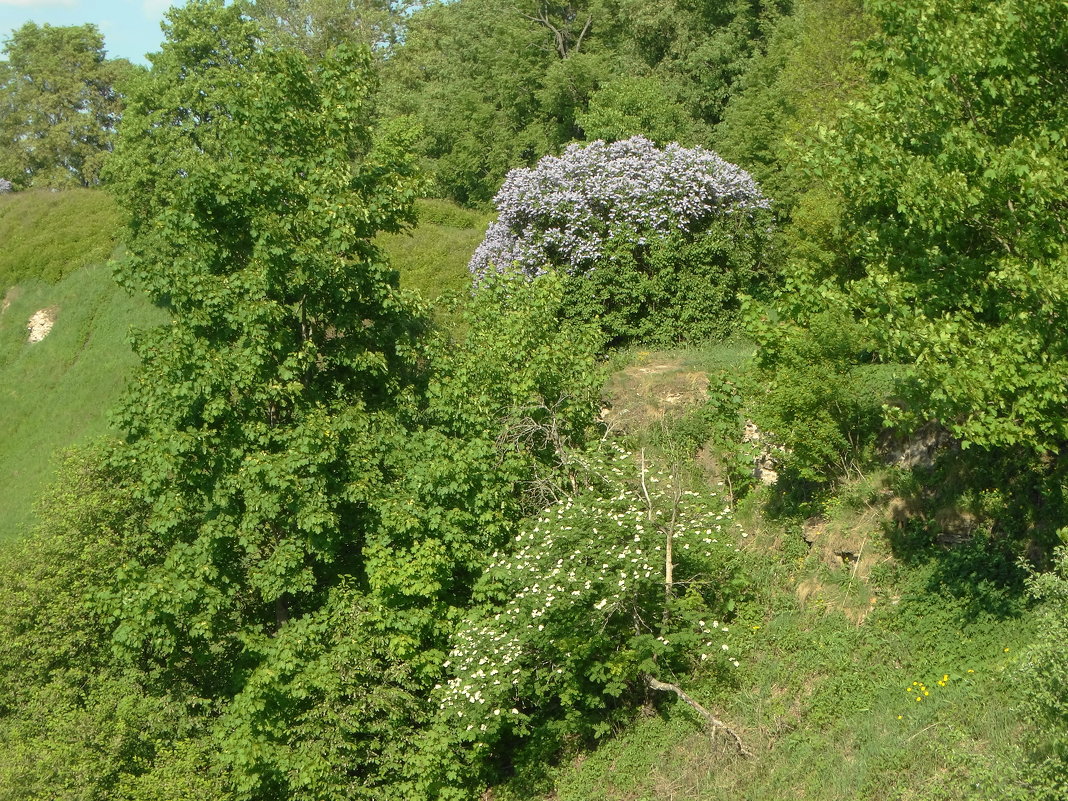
x=657, y=243
x=1045, y=674
x=575, y=615
x=821, y=396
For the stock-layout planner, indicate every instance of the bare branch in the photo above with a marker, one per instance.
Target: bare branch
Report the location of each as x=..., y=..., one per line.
x=581, y=36
x=712, y=720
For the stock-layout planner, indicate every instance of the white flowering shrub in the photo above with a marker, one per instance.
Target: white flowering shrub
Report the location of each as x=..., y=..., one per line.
x=570, y=619
x=658, y=242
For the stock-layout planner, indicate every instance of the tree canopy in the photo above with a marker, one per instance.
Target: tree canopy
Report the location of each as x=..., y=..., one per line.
x=494, y=84
x=60, y=102
x=955, y=181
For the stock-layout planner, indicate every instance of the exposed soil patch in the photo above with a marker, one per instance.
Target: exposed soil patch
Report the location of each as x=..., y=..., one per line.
x=9, y=297
x=651, y=390
x=40, y=324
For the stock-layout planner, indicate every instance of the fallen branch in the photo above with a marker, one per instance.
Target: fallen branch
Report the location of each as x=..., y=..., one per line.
x=712, y=720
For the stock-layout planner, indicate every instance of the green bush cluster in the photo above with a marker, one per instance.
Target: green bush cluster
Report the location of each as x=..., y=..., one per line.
x=819, y=394
x=1045, y=677
x=574, y=614
x=674, y=288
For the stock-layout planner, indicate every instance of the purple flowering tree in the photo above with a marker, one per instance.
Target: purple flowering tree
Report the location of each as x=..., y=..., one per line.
x=634, y=226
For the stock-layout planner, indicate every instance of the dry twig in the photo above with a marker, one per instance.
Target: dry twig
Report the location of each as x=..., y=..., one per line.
x=712, y=720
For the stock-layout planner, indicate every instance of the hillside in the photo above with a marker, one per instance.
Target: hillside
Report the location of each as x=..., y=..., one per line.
x=724, y=459
x=57, y=392
x=854, y=647
x=875, y=662
x=861, y=642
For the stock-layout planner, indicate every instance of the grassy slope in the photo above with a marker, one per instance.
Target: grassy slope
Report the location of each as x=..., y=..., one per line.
x=829, y=708
x=433, y=257
x=826, y=670
x=48, y=235
x=57, y=392
x=834, y=655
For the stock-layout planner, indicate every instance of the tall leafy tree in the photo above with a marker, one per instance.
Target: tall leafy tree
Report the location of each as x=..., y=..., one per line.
x=262, y=415
x=60, y=102
x=955, y=185
x=317, y=506
x=317, y=25
x=252, y=192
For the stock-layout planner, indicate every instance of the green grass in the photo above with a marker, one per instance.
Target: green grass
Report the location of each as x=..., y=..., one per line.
x=48, y=235
x=57, y=392
x=432, y=258
x=826, y=699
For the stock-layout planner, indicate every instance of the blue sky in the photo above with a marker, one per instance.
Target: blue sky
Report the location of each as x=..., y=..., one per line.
x=130, y=27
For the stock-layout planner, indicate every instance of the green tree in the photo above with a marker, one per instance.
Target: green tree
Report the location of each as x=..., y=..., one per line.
x=802, y=81
x=60, y=102
x=322, y=484
x=955, y=183
x=258, y=424
x=495, y=84
x=639, y=106
x=252, y=191
x=317, y=25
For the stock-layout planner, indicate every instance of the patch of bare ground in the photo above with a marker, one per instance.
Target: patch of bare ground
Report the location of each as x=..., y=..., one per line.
x=847, y=549
x=655, y=388
x=40, y=323
x=10, y=296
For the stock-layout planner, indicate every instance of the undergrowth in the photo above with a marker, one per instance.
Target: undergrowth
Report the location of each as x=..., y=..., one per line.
x=883, y=658
x=921, y=699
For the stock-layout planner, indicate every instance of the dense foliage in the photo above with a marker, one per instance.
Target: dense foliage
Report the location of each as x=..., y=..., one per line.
x=1045, y=674
x=953, y=176
x=493, y=84
x=353, y=545
x=60, y=102
x=626, y=580
x=657, y=242
x=315, y=26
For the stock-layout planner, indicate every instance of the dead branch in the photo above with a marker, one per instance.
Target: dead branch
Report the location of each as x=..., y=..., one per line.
x=566, y=42
x=710, y=719
x=669, y=538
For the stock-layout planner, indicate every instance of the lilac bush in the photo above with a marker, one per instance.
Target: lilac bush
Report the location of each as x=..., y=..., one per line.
x=561, y=213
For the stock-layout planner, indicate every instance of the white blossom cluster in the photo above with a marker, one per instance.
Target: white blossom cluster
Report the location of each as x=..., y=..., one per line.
x=561, y=212
x=589, y=564
x=5, y=186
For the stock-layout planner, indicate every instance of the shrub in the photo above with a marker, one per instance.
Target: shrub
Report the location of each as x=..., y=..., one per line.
x=1045, y=673
x=575, y=615
x=821, y=396
x=657, y=242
